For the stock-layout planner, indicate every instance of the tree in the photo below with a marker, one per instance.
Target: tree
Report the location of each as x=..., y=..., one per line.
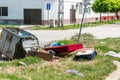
x=115, y=7
x=101, y=6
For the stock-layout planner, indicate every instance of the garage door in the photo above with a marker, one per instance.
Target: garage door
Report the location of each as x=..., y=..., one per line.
x=32, y=16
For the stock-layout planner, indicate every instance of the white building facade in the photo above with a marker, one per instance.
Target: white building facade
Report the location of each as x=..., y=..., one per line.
x=42, y=11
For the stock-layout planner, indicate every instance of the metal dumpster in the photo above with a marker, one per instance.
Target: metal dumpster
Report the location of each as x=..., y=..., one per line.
x=15, y=43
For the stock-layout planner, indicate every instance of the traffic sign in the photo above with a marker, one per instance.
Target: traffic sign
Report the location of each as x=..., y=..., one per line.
x=48, y=6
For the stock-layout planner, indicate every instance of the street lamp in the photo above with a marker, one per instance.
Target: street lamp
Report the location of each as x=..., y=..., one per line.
x=85, y=3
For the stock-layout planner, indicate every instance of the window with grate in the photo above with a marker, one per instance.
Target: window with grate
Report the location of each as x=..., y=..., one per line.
x=3, y=11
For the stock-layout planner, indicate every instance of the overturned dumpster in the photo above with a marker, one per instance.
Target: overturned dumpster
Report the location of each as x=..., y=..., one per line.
x=15, y=43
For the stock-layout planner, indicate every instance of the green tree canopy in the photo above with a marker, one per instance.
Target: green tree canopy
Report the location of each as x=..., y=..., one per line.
x=115, y=5
x=101, y=6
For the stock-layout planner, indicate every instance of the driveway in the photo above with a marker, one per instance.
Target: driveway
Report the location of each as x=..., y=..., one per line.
x=100, y=32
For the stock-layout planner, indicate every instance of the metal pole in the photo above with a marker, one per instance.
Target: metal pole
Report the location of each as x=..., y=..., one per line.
x=48, y=17
x=62, y=18
x=81, y=23
x=58, y=13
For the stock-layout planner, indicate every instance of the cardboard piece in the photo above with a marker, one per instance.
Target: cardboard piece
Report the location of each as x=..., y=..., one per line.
x=44, y=55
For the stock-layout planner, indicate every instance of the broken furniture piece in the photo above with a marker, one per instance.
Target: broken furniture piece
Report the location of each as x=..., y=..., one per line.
x=64, y=49
x=85, y=53
x=43, y=54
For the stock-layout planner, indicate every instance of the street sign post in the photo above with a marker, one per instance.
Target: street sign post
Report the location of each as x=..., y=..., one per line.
x=48, y=6
x=85, y=2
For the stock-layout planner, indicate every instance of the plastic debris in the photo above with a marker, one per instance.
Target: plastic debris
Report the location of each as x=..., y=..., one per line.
x=102, y=42
x=22, y=63
x=55, y=59
x=85, y=53
x=112, y=53
x=74, y=72
x=57, y=44
x=21, y=34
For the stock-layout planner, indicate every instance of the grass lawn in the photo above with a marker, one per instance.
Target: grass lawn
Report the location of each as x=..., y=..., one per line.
x=72, y=26
x=38, y=69
x=2, y=26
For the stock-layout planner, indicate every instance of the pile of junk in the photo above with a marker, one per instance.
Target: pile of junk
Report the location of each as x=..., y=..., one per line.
x=16, y=43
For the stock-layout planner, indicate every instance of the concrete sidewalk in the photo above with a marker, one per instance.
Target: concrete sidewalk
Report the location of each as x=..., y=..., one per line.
x=100, y=32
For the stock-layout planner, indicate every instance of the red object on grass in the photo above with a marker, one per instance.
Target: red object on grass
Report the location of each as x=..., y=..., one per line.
x=65, y=48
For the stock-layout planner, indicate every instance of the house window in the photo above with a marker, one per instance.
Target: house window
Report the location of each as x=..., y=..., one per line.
x=88, y=10
x=3, y=11
x=80, y=8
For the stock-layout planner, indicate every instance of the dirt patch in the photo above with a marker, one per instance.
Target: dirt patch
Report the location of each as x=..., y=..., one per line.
x=13, y=69
x=115, y=75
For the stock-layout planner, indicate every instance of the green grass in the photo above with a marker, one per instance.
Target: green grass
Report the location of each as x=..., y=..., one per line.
x=2, y=26
x=73, y=26
x=38, y=69
x=27, y=60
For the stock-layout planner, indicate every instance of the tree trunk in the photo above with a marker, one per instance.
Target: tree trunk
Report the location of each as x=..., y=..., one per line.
x=117, y=16
x=100, y=17
x=108, y=17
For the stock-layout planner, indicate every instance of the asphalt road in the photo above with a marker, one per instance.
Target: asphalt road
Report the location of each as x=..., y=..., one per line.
x=100, y=32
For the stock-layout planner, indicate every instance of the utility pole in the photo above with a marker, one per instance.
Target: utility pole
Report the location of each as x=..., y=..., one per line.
x=85, y=3
x=60, y=13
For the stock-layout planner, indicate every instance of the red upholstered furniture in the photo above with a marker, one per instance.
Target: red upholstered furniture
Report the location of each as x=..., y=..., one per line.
x=65, y=48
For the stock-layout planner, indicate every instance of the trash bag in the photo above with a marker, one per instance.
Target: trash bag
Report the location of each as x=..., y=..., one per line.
x=57, y=44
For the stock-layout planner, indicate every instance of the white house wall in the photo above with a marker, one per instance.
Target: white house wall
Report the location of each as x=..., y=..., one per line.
x=53, y=12
x=89, y=17
x=67, y=7
x=16, y=9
